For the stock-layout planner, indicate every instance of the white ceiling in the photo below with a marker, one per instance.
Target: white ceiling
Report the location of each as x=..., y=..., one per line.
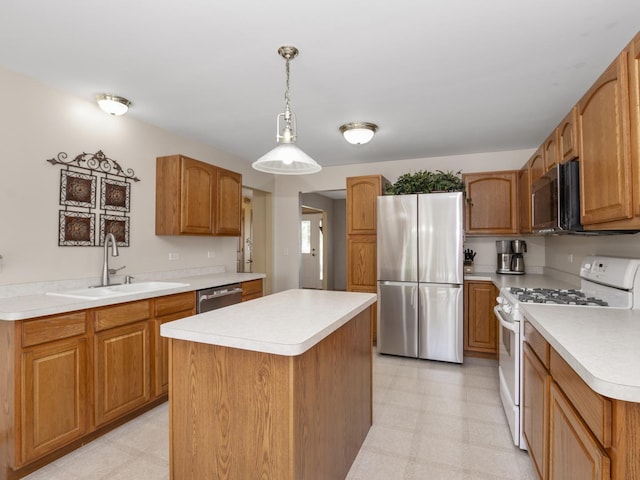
x=439, y=77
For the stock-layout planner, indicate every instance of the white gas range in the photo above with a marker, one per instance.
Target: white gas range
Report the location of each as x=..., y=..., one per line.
x=606, y=282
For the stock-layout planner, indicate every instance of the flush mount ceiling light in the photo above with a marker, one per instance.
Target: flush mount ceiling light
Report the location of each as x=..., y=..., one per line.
x=286, y=158
x=112, y=104
x=358, y=133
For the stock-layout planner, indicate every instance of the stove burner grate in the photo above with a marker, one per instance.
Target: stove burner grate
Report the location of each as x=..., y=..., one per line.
x=556, y=296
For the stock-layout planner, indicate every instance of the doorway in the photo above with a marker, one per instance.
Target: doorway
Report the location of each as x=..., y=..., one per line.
x=332, y=232
x=312, y=249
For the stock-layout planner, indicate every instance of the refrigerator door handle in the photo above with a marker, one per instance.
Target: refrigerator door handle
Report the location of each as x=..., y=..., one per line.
x=441, y=285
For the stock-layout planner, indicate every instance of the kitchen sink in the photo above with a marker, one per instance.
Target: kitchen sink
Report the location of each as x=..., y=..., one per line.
x=96, y=293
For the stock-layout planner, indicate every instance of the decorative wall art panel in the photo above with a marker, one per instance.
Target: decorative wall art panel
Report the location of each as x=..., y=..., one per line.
x=114, y=195
x=76, y=228
x=78, y=192
x=117, y=225
x=77, y=189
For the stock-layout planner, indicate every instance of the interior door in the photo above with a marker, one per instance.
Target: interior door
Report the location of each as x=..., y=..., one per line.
x=311, y=251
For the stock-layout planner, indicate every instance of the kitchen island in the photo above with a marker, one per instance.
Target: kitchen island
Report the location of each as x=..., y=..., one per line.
x=277, y=388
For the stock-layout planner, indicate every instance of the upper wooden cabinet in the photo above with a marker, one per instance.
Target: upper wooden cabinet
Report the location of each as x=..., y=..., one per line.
x=605, y=158
x=536, y=164
x=196, y=198
x=551, y=152
x=362, y=194
x=524, y=199
x=493, y=202
x=567, y=133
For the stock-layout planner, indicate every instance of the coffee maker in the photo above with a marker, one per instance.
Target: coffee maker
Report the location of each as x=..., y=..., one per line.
x=518, y=247
x=510, y=256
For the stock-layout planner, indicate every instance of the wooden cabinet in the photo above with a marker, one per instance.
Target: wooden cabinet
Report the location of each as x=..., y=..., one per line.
x=251, y=289
x=536, y=164
x=122, y=360
x=362, y=194
x=567, y=133
x=480, y=323
x=228, y=215
x=196, y=198
x=493, y=202
x=605, y=163
x=573, y=450
x=535, y=405
x=53, y=384
x=568, y=427
x=524, y=199
x=550, y=151
x=167, y=309
x=362, y=199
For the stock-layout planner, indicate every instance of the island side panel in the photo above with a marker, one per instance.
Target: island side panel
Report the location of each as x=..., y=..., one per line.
x=8, y=335
x=229, y=413
x=333, y=401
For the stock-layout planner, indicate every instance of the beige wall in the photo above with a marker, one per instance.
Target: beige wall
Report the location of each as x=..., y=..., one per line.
x=37, y=122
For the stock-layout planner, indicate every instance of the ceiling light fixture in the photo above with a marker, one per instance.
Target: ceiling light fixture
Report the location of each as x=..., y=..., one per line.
x=358, y=133
x=286, y=158
x=112, y=104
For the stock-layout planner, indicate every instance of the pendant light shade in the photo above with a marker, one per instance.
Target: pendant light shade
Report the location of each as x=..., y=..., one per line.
x=286, y=158
x=358, y=133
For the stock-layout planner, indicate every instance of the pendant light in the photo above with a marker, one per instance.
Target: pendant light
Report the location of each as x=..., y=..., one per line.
x=286, y=158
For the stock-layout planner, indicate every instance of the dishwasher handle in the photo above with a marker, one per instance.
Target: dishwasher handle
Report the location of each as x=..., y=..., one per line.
x=222, y=293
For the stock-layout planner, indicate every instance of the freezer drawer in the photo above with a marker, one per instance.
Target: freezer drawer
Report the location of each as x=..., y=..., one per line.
x=398, y=318
x=440, y=322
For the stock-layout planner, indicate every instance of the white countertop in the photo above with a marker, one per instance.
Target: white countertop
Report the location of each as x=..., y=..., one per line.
x=38, y=305
x=286, y=323
x=601, y=344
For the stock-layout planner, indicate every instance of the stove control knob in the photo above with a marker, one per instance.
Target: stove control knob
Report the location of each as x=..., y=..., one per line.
x=507, y=308
x=500, y=300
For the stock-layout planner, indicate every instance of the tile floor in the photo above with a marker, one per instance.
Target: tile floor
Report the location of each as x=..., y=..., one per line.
x=432, y=421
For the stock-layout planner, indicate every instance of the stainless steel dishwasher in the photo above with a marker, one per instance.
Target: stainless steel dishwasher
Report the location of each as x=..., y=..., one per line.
x=218, y=297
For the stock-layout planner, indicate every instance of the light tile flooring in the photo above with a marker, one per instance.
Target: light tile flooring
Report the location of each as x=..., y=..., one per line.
x=432, y=421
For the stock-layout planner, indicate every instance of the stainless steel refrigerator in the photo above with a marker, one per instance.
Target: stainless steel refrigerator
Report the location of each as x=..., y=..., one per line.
x=420, y=291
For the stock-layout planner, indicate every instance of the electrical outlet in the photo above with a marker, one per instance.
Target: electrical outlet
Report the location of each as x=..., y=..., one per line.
x=570, y=257
x=211, y=254
x=174, y=256
x=286, y=252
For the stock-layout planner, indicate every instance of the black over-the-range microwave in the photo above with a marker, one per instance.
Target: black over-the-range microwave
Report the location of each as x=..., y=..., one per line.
x=555, y=200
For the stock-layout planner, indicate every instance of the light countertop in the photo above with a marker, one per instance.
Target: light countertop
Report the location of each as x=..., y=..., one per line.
x=286, y=323
x=601, y=344
x=531, y=280
x=38, y=305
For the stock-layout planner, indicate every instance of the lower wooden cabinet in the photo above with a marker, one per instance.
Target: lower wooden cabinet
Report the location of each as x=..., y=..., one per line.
x=122, y=370
x=480, y=323
x=536, y=410
x=53, y=396
x=251, y=289
x=574, y=453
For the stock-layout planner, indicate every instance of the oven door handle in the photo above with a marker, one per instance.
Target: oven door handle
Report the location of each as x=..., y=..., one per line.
x=513, y=326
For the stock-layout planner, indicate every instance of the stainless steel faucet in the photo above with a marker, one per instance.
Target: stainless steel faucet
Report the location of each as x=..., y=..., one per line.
x=114, y=253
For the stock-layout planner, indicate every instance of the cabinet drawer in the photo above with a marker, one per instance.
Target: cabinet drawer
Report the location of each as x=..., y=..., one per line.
x=35, y=332
x=252, y=288
x=537, y=342
x=110, y=317
x=594, y=409
x=175, y=303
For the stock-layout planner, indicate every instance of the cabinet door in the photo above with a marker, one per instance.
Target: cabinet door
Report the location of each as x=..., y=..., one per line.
x=605, y=164
x=535, y=405
x=197, y=204
x=229, y=203
x=481, y=326
x=524, y=197
x=251, y=289
x=53, y=400
x=536, y=163
x=550, y=152
x=362, y=194
x=574, y=453
x=634, y=84
x=493, y=202
x=361, y=263
x=568, y=137
x=121, y=370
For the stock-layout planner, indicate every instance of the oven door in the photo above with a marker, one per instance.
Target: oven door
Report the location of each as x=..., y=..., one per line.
x=509, y=370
